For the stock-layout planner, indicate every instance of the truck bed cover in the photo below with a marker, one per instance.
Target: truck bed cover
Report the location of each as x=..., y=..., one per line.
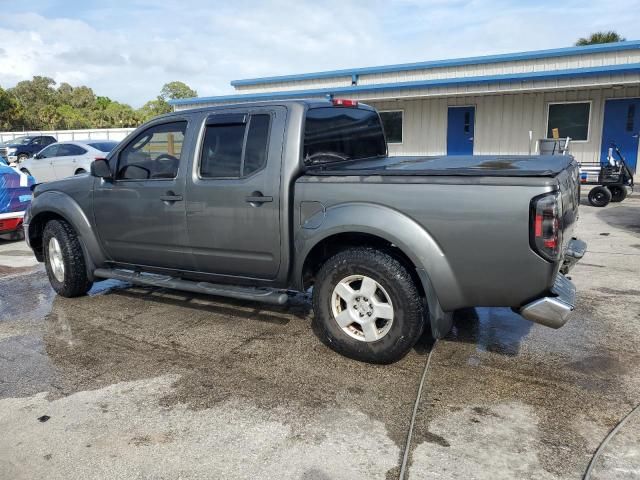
x=472, y=165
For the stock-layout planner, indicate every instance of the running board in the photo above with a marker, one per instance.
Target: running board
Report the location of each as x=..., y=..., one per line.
x=240, y=293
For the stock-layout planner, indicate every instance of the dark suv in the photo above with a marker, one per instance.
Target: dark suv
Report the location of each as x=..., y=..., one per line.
x=21, y=148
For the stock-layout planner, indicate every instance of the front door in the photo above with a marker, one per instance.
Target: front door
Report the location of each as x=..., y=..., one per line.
x=460, y=128
x=140, y=215
x=66, y=162
x=40, y=166
x=233, y=204
x=622, y=127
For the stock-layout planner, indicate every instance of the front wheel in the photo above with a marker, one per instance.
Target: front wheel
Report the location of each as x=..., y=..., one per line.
x=25, y=171
x=22, y=157
x=64, y=260
x=618, y=193
x=599, y=196
x=367, y=306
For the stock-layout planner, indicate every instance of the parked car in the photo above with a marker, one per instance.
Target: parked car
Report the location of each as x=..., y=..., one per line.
x=15, y=196
x=64, y=159
x=249, y=201
x=21, y=148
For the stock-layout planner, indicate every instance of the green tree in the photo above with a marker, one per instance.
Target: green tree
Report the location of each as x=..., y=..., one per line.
x=9, y=113
x=176, y=89
x=600, y=37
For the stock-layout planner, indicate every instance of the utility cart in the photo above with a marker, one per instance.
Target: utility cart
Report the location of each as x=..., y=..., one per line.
x=613, y=179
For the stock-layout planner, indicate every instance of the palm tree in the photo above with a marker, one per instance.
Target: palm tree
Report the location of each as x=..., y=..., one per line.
x=600, y=37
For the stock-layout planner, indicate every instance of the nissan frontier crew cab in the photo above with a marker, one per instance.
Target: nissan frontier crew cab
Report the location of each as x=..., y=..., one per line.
x=251, y=200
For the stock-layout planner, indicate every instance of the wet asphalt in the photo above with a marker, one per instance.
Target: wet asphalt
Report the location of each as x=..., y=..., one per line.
x=132, y=382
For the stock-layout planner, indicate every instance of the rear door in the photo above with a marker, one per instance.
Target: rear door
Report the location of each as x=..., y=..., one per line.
x=233, y=198
x=140, y=215
x=460, y=130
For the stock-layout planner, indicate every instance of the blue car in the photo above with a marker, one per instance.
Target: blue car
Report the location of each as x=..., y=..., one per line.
x=15, y=197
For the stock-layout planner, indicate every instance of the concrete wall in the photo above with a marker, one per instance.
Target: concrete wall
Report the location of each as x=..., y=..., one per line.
x=502, y=121
x=116, y=134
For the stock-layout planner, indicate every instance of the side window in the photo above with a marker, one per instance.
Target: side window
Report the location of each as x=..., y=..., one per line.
x=153, y=154
x=222, y=151
x=226, y=154
x=37, y=141
x=255, y=156
x=49, y=152
x=67, y=149
x=49, y=140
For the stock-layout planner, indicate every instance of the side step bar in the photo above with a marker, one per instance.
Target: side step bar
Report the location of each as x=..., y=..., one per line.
x=240, y=293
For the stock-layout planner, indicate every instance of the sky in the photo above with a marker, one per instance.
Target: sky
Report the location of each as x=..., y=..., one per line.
x=127, y=49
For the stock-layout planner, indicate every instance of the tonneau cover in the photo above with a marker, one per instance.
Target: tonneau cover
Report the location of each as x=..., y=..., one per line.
x=471, y=165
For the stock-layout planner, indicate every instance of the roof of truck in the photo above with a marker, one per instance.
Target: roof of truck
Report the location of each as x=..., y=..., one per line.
x=308, y=102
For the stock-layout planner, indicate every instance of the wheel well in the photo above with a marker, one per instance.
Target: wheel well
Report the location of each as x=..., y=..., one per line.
x=329, y=246
x=36, y=229
x=80, y=170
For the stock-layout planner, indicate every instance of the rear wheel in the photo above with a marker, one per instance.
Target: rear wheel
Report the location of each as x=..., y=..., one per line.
x=599, y=196
x=80, y=171
x=367, y=306
x=64, y=260
x=618, y=193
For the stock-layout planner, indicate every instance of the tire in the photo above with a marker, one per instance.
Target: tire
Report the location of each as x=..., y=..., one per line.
x=618, y=193
x=22, y=157
x=80, y=171
x=394, y=294
x=65, y=263
x=599, y=196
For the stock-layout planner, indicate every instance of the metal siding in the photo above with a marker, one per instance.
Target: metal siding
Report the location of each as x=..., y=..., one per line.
x=439, y=73
x=502, y=121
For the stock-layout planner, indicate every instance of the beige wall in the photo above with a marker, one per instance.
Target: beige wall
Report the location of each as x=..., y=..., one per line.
x=502, y=121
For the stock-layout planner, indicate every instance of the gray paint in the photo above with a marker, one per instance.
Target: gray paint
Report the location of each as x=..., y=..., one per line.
x=466, y=232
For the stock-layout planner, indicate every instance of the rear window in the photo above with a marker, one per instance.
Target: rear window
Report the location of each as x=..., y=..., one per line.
x=103, y=146
x=337, y=133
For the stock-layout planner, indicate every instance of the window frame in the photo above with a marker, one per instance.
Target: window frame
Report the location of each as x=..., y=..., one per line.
x=590, y=102
x=401, y=110
x=247, y=126
x=117, y=153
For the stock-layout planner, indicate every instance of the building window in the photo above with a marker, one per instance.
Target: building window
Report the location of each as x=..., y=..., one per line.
x=570, y=119
x=392, y=124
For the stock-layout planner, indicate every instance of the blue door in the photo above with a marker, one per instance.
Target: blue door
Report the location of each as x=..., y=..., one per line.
x=622, y=126
x=460, y=126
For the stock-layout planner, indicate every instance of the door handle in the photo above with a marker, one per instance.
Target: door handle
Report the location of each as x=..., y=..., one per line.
x=258, y=198
x=171, y=197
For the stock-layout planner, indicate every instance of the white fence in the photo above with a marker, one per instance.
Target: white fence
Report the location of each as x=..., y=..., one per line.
x=116, y=134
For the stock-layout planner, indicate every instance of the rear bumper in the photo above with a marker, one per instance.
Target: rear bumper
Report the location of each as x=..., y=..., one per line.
x=554, y=310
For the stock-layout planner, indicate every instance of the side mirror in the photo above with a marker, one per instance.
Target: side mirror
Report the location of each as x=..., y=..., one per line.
x=38, y=156
x=100, y=168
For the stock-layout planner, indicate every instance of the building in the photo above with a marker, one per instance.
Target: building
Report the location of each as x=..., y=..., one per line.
x=484, y=105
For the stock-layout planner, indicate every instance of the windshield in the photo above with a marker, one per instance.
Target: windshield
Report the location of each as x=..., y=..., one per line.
x=105, y=147
x=335, y=134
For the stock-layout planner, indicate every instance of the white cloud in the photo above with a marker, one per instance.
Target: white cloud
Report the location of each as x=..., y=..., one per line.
x=128, y=50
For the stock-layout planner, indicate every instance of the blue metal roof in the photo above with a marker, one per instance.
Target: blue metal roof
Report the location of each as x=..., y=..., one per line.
x=507, y=57
x=446, y=82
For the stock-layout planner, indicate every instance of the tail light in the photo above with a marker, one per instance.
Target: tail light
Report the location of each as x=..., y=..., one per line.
x=546, y=228
x=343, y=102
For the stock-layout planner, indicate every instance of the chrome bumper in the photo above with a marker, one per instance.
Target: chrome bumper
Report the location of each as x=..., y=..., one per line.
x=575, y=252
x=554, y=310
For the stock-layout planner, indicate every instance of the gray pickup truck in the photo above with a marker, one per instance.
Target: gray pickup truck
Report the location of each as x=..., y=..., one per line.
x=253, y=200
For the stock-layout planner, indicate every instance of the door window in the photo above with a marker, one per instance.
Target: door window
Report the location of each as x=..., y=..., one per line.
x=51, y=151
x=225, y=154
x=67, y=150
x=154, y=154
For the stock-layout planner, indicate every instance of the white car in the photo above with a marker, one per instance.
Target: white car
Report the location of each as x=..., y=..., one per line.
x=65, y=159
